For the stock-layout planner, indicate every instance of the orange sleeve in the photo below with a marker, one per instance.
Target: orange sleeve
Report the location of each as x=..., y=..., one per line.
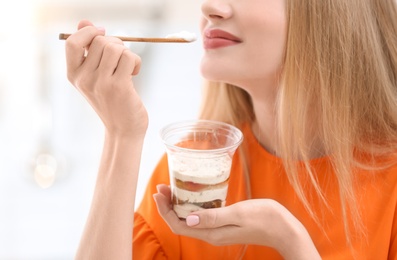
x=153, y=239
x=393, y=238
x=146, y=244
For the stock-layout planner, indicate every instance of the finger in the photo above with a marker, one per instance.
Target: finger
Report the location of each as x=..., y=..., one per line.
x=94, y=56
x=217, y=236
x=84, y=23
x=76, y=44
x=213, y=218
x=164, y=189
x=165, y=210
x=110, y=58
x=129, y=64
x=208, y=218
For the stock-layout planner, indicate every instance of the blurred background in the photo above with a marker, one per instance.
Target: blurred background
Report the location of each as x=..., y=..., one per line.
x=51, y=139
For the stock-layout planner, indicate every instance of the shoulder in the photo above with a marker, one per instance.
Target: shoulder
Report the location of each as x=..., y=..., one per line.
x=152, y=241
x=377, y=186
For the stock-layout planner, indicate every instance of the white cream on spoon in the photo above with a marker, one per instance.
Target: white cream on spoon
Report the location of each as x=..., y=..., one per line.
x=187, y=36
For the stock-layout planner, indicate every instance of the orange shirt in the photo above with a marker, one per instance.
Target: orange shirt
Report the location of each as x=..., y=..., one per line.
x=377, y=197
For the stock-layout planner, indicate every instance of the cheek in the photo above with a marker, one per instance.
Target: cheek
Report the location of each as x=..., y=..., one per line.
x=266, y=60
x=268, y=50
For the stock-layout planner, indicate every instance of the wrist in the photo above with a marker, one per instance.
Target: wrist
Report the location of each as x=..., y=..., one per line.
x=120, y=160
x=295, y=242
x=124, y=137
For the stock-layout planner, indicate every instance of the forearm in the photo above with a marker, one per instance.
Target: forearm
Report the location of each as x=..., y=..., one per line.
x=108, y=231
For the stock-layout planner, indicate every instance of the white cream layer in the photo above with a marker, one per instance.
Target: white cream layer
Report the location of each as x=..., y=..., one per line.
x=203, y=179
x=201, y=196
x=202, y=169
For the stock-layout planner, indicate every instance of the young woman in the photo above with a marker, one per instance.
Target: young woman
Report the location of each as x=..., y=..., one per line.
x=313, y=86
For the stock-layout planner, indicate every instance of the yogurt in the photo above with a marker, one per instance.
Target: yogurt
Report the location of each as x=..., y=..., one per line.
x=187, y=36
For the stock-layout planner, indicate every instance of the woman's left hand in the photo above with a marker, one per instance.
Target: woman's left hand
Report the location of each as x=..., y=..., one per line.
x=258, y=221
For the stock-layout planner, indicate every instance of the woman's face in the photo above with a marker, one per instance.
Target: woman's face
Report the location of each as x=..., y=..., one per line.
x=243, y=40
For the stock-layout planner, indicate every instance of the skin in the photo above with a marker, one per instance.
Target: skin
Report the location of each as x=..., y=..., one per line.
x=104, y=77
x=258, y=221
x=102, y=69
x=261, y=26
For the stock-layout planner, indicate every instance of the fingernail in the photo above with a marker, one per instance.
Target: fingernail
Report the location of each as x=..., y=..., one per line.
x=192, y=220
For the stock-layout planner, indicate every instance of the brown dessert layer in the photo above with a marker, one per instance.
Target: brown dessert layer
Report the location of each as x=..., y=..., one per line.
x=204, y=205
x=196, y=187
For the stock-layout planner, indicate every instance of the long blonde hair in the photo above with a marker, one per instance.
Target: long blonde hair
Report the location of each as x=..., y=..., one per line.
x=339, y=78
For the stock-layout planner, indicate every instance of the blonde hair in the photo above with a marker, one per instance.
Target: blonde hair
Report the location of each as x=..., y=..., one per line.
x=339, y=82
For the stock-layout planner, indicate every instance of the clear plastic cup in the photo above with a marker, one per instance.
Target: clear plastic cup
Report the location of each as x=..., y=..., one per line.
x=200, y=156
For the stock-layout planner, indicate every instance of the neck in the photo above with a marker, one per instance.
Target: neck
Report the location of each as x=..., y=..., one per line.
x=264, y=127
x=264, y=104
x=266, y=130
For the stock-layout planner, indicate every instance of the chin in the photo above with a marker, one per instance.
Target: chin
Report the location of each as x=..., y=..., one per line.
x=214, y=73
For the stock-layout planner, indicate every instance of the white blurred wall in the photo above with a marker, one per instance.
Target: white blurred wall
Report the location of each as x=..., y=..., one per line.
x=50, y=139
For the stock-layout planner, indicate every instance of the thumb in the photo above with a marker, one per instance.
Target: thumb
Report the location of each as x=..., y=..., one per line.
x=213, y=218
x=84, y=23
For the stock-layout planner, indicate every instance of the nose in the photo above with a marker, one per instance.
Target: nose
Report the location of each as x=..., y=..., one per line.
x=216, y=9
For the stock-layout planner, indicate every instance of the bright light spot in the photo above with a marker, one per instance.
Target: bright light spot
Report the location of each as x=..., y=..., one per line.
x=45, y=170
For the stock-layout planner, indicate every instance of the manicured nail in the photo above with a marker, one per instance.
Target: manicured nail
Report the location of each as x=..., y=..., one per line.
x=192, y=220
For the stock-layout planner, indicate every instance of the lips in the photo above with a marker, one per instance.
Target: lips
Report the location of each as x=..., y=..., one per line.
x=216, y=38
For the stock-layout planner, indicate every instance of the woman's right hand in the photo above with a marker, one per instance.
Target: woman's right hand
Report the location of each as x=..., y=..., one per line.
x=101, y=68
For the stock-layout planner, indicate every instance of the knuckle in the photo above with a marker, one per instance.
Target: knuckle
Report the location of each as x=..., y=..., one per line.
x=98, y=40
x=127, y=54
x=117, y=40
x=110, y=48
x=211, y=218
x=71, y=45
